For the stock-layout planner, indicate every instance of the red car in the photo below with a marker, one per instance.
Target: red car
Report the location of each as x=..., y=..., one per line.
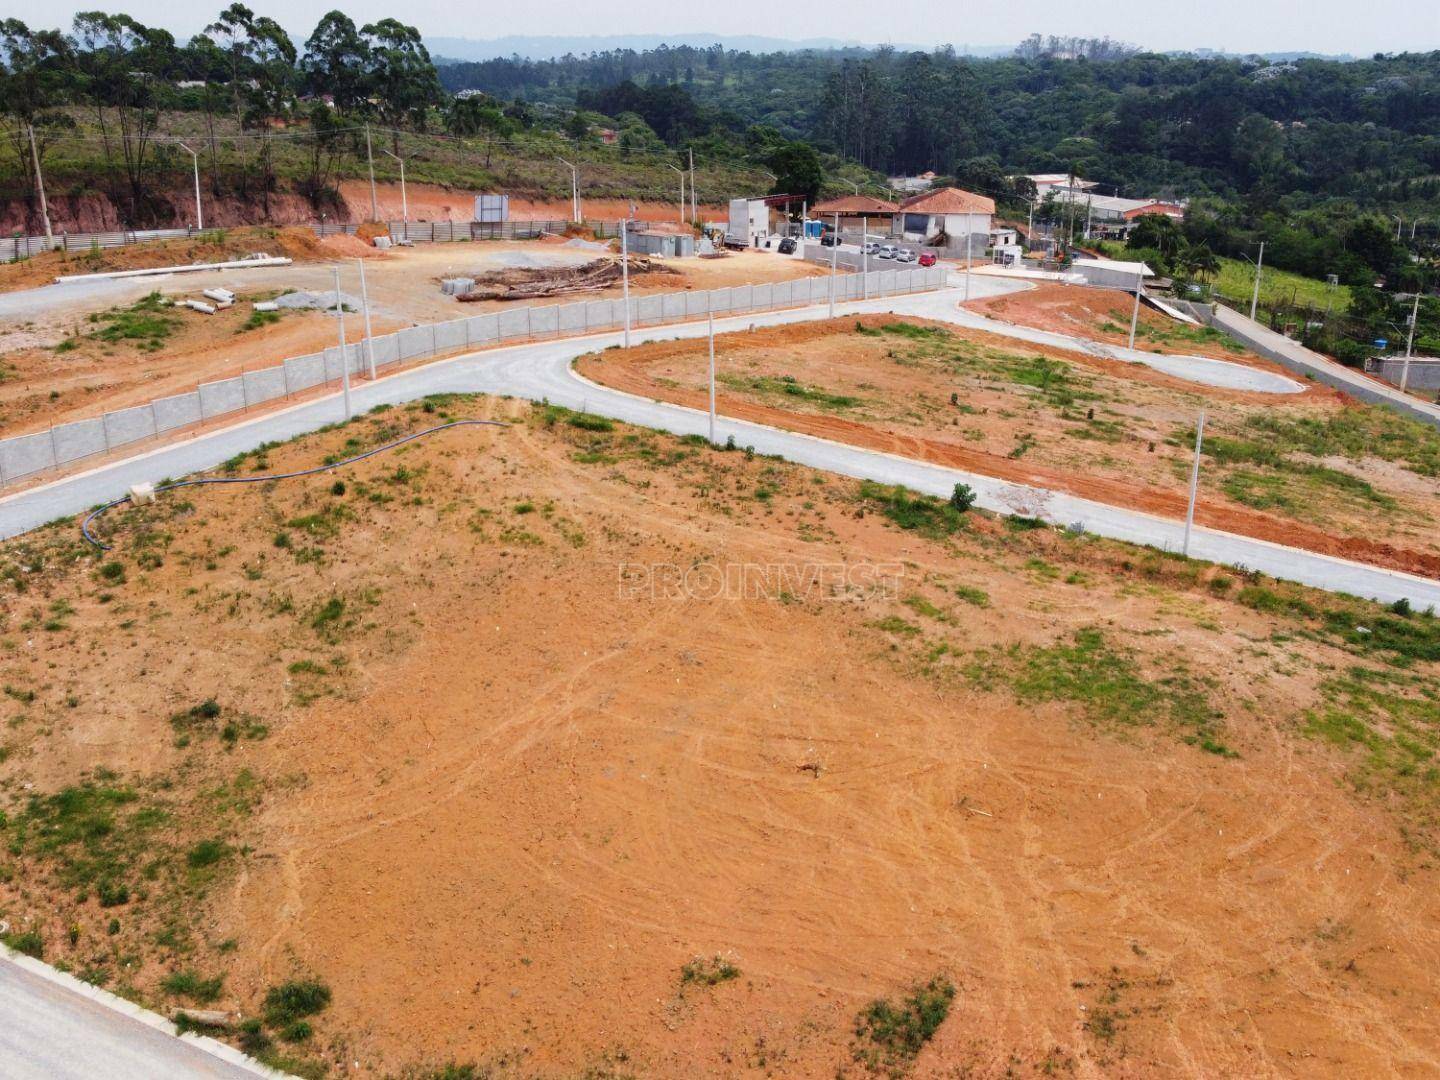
x=927, y=258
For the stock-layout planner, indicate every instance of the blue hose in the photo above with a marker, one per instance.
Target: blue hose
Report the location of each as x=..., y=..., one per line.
x=85, y=525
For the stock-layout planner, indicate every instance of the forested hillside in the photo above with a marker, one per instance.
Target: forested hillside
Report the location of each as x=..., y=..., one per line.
x=1366, y=130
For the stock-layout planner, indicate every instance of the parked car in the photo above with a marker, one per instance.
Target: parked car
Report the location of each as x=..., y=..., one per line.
x=887, y=251
x=905, y=255
x=927, y=258
x=787, y=245
x=872, y=247
x=829, y=239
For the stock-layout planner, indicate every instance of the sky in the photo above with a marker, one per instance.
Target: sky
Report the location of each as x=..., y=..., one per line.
x=1325, y=26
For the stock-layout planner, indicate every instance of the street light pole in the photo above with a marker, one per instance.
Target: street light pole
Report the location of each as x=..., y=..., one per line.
x=574, y=190
x=404, y=199
x=834, y=260
x=195, y=162
x=370, y=161
x=969, y=236
x=1194, y=483
x=344, y=360
x=865, y=257
x=1255, y=296
x=365, y=307
x=710, y=315
x=694, y=209
x=1135, y=313
x=625, y=275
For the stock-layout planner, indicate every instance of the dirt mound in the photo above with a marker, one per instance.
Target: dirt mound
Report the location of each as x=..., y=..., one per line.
x=368, y=230
x=218, y=245
x=344, y=245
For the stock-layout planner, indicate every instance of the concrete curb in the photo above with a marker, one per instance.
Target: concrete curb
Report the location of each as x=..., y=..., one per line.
x=137, y=1013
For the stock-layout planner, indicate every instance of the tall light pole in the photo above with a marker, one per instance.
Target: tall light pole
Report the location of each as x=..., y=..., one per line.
x=195, y=163
x=865, y=256
x=1135, y=312
x=710, y=315
x=40, y=188
x=1194, y=483
x=694, y=209
x=370, y=161
x=834, y=260
x=969, y=236
x=1255, y=296
x=365, y=307
x=344, y=360
x=404, y=199
x=681, y=171
x=574, y=189
x=625, y=275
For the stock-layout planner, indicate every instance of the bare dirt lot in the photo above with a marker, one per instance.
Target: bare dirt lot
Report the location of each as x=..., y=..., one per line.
x=1311, y=469
x=52, y=369
x=1104, y=315
x=416, y=763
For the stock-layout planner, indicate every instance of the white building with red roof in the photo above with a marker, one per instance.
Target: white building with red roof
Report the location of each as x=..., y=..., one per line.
x=944, y=218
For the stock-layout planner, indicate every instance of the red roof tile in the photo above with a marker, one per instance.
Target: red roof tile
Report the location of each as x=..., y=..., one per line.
x=855, y=204
x=948, y=201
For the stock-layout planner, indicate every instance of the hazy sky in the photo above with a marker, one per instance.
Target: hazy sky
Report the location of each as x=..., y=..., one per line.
x=1332, y=26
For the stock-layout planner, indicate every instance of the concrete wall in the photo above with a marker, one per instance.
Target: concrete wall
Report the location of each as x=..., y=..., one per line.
x=1424, y=372
x=1293, y=356
x=26, y=455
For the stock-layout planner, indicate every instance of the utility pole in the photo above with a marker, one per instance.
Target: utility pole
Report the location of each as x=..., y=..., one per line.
x=344, y=360
x=1089, y=213
x=1410, y=343
x=694, y=210
x=710, y=313
x=40, y=188
x=404, y=199
x=1255, y=296
x=365, y=307
x=834, y=259
x=1135, y=314
x=1194, y=483
x=574, y=190
x=370, y=161
x=195, y=162
x=865, y=256
x=1070, y=195
x=969, y=236
x=625, y=275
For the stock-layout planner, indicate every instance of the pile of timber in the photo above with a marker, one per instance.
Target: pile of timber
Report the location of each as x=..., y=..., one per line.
x=528, y=283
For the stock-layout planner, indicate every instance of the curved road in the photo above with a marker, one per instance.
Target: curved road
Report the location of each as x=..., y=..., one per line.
x=542, y=371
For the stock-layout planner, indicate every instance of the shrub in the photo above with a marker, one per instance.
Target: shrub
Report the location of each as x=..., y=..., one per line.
x=963, y=497
x=889, y=1036
x=295, y=1000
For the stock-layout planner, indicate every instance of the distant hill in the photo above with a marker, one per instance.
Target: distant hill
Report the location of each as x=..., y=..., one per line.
x=548, y=48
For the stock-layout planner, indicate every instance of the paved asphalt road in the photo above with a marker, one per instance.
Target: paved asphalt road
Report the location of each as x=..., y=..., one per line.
x=543, y=370
x=50, y=1032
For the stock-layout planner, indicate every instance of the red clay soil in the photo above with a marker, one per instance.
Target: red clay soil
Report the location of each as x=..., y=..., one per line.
x=1078, y=309
x=625, y=371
